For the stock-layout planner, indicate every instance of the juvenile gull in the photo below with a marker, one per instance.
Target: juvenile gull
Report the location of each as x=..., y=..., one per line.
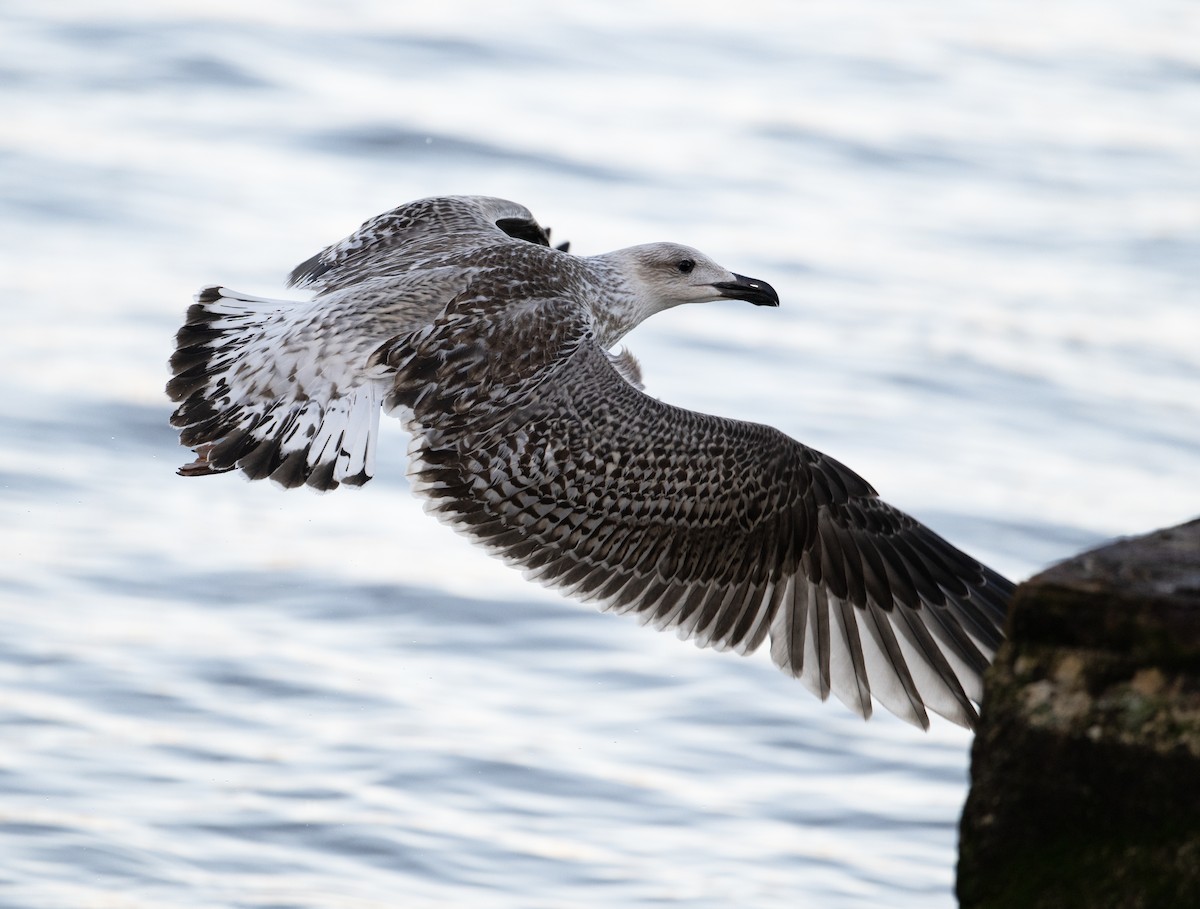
x=530, y=437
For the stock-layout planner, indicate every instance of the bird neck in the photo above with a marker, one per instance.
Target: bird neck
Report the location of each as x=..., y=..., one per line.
x=617, y=297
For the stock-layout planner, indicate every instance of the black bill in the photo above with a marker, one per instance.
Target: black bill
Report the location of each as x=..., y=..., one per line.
x=760, y=293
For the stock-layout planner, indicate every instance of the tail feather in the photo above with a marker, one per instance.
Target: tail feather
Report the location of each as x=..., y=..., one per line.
x=254, y=395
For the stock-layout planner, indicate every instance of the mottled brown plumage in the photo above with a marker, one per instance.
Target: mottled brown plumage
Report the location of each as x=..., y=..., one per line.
x=535, y=441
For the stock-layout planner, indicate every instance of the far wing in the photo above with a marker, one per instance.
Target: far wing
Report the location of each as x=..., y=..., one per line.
x=529, y=441
x=414, y=234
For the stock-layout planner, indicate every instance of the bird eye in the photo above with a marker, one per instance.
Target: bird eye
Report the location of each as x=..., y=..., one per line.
x=685, y=266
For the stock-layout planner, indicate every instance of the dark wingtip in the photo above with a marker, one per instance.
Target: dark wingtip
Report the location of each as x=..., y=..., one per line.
x=525, y=229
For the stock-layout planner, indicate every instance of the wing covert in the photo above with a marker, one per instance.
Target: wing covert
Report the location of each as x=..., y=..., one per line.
x=528, y=440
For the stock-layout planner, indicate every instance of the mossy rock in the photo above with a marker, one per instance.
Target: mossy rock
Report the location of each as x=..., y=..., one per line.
x=1086, y=765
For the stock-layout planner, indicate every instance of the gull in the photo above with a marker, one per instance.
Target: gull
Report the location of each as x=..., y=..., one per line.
x=535, y=440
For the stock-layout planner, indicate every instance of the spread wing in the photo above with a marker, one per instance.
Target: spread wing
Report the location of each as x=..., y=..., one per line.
x=414, y=234
x=529, y=441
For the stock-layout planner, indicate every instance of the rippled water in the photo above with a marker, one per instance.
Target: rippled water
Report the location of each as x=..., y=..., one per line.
x=984, y=225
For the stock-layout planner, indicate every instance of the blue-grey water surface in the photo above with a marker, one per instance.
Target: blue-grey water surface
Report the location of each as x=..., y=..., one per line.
x=983, y=219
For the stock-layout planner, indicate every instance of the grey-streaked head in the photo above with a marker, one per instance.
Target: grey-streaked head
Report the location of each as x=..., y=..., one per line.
x=680, y=274
x=658, y=276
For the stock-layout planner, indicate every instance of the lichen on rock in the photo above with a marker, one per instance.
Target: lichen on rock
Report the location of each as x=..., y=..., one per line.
x=1086, y=765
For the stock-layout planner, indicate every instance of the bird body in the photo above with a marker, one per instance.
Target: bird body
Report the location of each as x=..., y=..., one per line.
x=534, y=440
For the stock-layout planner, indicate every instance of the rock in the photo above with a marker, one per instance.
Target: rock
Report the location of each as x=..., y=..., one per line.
x=1085, y=772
